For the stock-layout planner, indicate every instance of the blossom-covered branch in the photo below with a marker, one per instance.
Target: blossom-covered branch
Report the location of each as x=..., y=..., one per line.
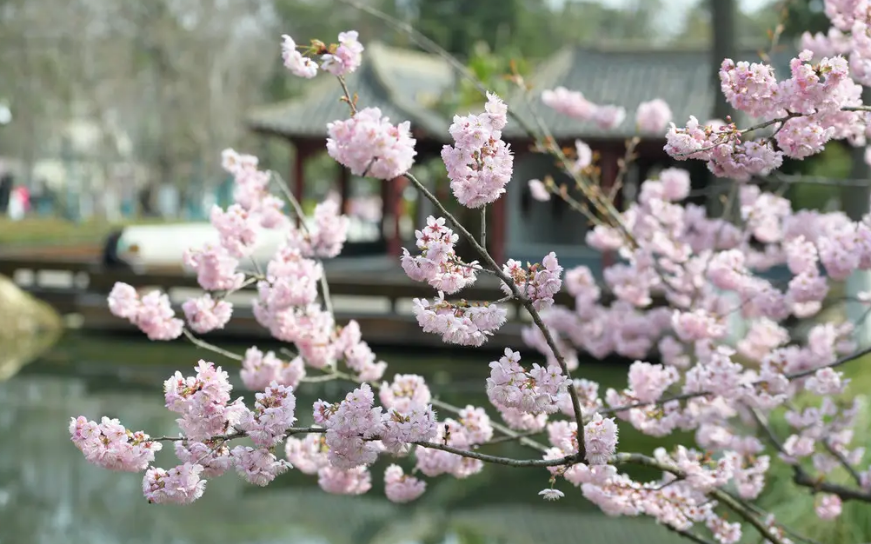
x=292, y=431
x=718, y=333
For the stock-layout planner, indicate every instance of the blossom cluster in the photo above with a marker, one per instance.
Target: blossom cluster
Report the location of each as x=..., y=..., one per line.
x=576, y=106
x=338, y=59
x=110, y=445
x=538, y=282
x=534, y=391
x=815, y=105
x=459, y=322
x=152, y=313
x=369, y=145
x=261, y=369
x=479, y=163
x=438, y=263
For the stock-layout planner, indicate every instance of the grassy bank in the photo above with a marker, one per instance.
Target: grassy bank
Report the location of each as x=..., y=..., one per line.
x=54, y=231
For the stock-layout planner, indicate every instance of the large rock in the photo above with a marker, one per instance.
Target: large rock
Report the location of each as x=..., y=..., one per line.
x=27, y=327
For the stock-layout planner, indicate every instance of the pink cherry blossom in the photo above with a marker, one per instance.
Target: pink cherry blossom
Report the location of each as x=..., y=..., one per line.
x=109, y=445
x=828, y=507
x=583, y=156
x=539, y=282
x=272, y=416
x=551, y=494
x=460, y=323
x=259, y=370
x=406, y=392
x=734, y=309
x=348, y=55
x=600, y=440
x=532, y=391
x=538, y=190
x=573, y=104
x=258, y=466
x=216, y=268
x=479, y=163
x=401, y=488
x=328, y=234
x=368, y=145
x=152, y=314
x=294, y=60
x=179, y=485
x=203, y=401
x=205, y=314
x=354, y=481
x=349, y=423
x=237, y=228
x=438, y=263
x=653, y=116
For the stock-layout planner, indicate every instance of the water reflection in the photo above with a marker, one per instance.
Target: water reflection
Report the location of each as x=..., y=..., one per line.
x=28, y=327
x=49, y=494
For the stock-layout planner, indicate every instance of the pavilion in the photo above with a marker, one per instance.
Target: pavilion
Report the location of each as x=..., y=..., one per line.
x=623, y=77
x=407, y=85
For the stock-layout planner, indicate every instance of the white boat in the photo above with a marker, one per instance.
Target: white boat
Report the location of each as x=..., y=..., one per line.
x=164, y=245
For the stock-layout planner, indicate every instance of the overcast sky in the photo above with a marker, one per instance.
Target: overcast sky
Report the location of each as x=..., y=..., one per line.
x=671, y=17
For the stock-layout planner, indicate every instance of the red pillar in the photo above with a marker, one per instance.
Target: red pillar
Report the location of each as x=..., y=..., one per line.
x=344, y=188
x=299, y=173
x=385, y=209
x=394, y=208
x=496, y=236
x=610, y=157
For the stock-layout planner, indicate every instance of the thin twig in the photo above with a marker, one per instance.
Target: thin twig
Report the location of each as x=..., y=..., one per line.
x=536, y=317
x=507, y=461
x=687, y=396
x=484, y=226
x=297, y=207
x=623, y=166
x=719, y=495
x=524, y=440
x=211, y=347
x=689, y=535
x=348, y=96
x=800, y=475
x=844, y=462
x=511, y=438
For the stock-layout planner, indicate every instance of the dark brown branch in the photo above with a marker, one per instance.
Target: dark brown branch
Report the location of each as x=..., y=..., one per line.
x=488, y=259
x=717, y=494
x=507, y=461
x=686, y=396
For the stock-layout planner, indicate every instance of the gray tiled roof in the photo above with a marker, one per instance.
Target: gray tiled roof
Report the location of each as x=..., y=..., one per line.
x=626, y=78
x=405, y=84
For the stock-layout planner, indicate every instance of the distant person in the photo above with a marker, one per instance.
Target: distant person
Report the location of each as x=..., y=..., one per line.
x=111, y=259
x=19, y=202
x=5, y=192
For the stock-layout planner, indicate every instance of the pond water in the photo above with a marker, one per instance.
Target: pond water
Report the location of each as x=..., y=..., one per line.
x=49, y=494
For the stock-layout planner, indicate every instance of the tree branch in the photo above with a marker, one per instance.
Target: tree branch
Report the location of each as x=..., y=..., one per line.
x=507, y=461
x=205, y=345
x=536, y=317
x=800, y=475
x=717, y=494
x=686, y=396
x=297, y=207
